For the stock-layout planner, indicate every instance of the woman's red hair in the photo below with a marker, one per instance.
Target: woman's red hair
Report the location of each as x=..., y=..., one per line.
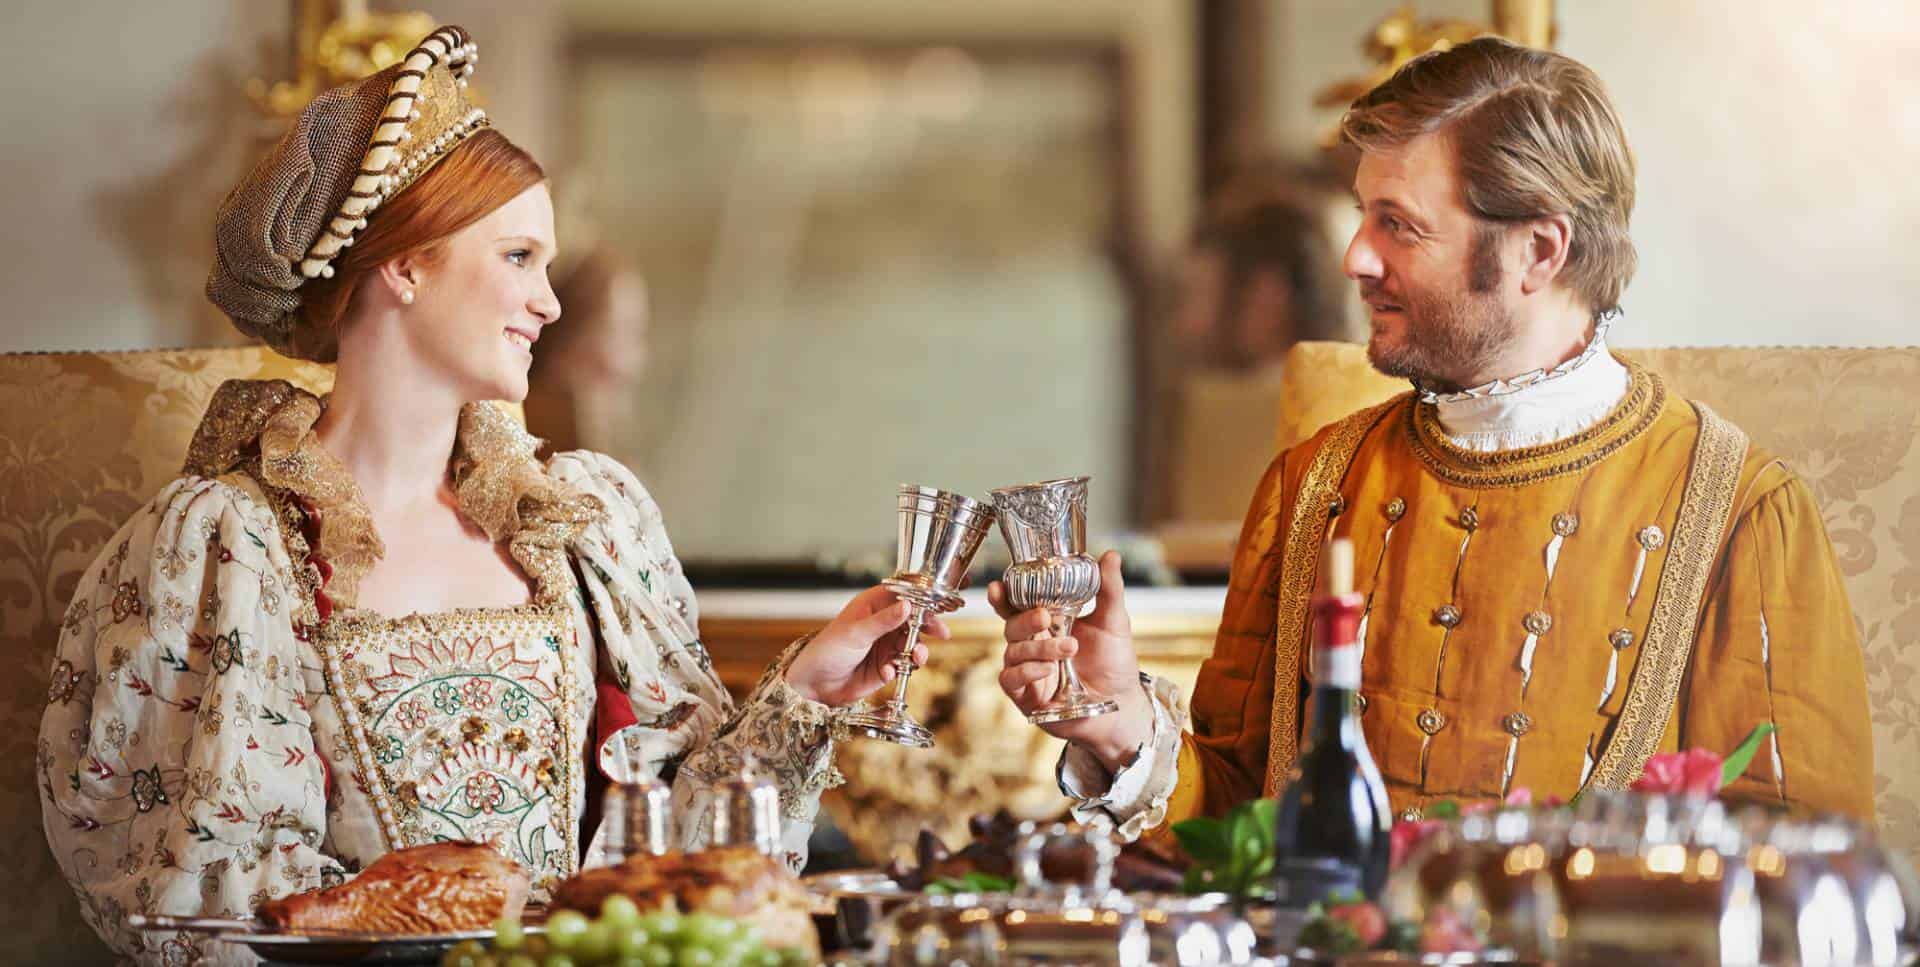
x=479, y=175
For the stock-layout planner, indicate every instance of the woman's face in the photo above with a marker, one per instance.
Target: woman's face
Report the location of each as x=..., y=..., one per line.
x=479, y=308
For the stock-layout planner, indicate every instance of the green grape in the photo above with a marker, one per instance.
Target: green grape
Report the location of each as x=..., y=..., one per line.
x=630, y=940
x=564, y=929
x=463, y=954
x=508, y=934
x=631, y=962
x=520, y=960
x=557, y=960
x=595, y=943
x=664, y=924
x=706, y=929
x=537, y=946
x=658, y=955
x=733, y=952
x=485, y=960
x=697, y=957
x=619, y=911
x=764, y=957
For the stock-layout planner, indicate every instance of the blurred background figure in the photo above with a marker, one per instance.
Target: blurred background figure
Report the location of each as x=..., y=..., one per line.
x=1261, y=273
x=587, y=364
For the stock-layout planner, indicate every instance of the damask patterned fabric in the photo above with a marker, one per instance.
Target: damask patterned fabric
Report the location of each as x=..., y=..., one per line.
x=224, y=726
x=1846, y=422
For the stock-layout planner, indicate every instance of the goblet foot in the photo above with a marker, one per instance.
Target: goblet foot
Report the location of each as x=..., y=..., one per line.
x=1067, y=708
x=888, y=723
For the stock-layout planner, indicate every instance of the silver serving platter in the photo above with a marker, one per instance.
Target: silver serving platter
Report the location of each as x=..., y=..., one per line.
x=318, y=946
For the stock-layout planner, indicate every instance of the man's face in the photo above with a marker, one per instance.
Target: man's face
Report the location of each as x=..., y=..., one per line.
x=1429, y=270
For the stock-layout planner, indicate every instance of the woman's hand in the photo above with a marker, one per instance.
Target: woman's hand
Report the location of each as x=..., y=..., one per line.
x=853, y=655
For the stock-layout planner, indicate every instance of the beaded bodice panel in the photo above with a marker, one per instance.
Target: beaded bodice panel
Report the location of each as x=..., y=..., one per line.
x=464, y=725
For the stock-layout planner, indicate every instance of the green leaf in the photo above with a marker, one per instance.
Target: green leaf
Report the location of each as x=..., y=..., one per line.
x=1444, y=809
x=1742, y=755
x=1195, y=880
x=1207, y=840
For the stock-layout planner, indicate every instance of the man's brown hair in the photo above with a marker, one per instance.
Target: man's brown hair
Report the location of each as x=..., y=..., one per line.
x=1533, y=134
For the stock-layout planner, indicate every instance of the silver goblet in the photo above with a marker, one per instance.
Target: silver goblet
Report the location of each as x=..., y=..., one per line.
x=1045, y=525
x=938, y=535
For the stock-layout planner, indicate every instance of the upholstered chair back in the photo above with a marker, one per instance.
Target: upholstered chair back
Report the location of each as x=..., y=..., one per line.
x=86, y=439
x=1846, y=421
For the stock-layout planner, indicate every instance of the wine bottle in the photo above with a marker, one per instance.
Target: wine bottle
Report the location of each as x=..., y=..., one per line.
x=1333, y=833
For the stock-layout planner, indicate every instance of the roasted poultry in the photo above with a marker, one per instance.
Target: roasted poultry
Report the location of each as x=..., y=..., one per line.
x=437, y=888
x=735, y=882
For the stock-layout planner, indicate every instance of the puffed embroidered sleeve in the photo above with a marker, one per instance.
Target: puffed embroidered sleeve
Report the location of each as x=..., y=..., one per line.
x=177, y=767
x=660, y=709
x=1777, y=643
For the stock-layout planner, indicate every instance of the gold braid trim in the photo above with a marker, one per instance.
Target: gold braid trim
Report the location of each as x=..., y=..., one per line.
x=1705, y=506
x=1299, y=566
x=1646, y=398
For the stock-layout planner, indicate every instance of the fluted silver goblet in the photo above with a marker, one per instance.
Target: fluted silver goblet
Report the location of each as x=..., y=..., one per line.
x=1045, y=525
x=938, y=535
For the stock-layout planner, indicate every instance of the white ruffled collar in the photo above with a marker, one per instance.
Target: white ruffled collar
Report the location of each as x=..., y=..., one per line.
x=1573, y=398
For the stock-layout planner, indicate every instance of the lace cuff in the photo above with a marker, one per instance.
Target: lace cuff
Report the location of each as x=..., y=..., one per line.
x=1135, y=798
x=787, y=737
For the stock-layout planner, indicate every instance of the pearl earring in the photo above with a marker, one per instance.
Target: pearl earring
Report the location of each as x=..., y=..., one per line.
x=406, y=298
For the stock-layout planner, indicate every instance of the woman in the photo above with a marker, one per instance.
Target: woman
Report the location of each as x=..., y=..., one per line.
x=374, y=620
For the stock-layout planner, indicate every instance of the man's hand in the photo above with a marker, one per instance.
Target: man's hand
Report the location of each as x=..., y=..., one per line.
x=853, y=655
x=1101, y=648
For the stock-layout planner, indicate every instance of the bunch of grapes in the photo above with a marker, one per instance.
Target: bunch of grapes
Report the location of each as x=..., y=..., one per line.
x=623, y=937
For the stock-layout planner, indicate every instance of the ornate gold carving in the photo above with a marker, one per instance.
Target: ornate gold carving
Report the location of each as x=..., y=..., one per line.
x=1299, y=564
x=332, y=48
x=1706, y=503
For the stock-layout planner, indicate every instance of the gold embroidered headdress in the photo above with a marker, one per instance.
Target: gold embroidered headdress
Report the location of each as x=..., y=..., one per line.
x=353, y=148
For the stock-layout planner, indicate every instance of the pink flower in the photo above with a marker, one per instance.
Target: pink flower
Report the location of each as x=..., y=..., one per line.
x=1695, y=772
x=1409, y=835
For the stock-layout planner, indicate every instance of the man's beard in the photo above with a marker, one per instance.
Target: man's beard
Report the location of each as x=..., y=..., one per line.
x=1450, y=336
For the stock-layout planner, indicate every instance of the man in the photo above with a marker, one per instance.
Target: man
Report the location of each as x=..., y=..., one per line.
x=1567, y=568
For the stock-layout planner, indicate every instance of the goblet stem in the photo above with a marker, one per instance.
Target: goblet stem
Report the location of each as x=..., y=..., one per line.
x=903, y=662
x=1061, y=626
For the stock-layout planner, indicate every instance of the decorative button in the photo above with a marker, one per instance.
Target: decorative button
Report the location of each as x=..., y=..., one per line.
x=1651, y=537
x=1620, y=639
x=1517, y=724
x=680, y=605
x=1565, y=523
x=1470, y=519
x=1446, y=616
x=1396, y=509
x=1537, y=622
x=1359, y=705
x=1338, y=507
x=1431, y=721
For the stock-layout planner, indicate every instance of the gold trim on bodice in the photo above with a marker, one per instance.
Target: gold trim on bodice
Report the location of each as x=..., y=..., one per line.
x=1706, y=504
x=1646, y=396
x=1313, y=506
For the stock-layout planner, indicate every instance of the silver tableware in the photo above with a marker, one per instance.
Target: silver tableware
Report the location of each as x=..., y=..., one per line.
x=1045, y=526
x=637, y=819
x=746, y=812
x=938, y=535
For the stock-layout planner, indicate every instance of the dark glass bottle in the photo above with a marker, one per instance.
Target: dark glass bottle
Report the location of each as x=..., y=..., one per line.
x=1334, y=831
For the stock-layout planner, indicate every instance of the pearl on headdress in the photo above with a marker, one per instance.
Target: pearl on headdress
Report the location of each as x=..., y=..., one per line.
x=414, y=114
x=405, y=136
x=326, y=271
x=347, y=242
